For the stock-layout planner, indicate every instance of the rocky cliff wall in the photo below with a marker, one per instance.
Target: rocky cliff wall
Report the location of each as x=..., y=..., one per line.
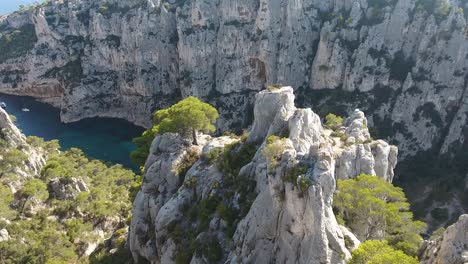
x=275, y=208
x=450, y=248
x=401, y=61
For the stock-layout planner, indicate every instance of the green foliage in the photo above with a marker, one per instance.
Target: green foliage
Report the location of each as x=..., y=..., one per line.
x=343, y=22
x=273, y=150
x=12, y=118
x=236, y=156
x=333, y=121
x=438, y=233
x=17, y=43
x=109, y=187
x=6, y=197
x=296, y=176
x=294, y=172
x=77, y=229
x=303, y=184
x=379, y=252
x=186, y=163
x=213, y=155
x=186, y=235
x=37, y=238
x=143, y=144
x=167, y=6
x=371, y=201
x=46, y=243
x=11, y=159
x=212, y=250
x=340, y=135
x=186, y=118
x=274, y=87
x=35, y=188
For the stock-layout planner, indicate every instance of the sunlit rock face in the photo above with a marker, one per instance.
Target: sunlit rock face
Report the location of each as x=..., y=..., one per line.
x=13, y=138
x=402, y=62
x=451, y=247
x=290, y=218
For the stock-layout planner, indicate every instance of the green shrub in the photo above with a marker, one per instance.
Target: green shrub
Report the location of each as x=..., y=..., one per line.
x=6, y=197
x=212, y=250
x=273, y=150
x=35, y=142
x=304, y=184
x=187, y=162
x=340, y=135
x=11, y=159
x=167, y=6
x=274, y=87
x=213, y=155
x=294, y=172
x=333, y=121
x=438, y=233
x=370, y=200
x=187, y=117
x=379, y=252
x=236, y=156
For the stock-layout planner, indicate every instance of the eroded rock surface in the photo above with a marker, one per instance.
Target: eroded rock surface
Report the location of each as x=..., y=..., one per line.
x=289, y=218
x=403, y=62
x=36, y=158
x=451, y=247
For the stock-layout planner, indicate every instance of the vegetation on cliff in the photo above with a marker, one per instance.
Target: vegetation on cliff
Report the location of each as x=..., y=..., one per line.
x=56, y=217
x=378, y=252
x=186, y=118
x=375, y=209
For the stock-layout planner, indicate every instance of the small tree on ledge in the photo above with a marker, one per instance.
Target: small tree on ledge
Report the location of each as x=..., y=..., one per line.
x=188, y=116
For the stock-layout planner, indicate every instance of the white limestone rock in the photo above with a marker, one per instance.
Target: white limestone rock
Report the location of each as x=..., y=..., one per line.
x=36, y=157
x=66, y=188
x=4, y=236
x=289, y=220
x=450, y=248
x=271, y=107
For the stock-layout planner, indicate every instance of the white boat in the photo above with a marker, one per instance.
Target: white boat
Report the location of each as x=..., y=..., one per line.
x=25, y=109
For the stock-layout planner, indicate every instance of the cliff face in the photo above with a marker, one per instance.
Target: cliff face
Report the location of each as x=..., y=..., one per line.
x=401, y=61
x=275, y=208
x=450, y=248
x=13, y=138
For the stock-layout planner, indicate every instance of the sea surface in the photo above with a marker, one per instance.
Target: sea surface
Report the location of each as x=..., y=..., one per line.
x=106, y=139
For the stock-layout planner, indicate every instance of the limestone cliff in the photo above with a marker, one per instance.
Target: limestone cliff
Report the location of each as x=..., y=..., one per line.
x=450, y=248
x=12, y=136
x=403, y=62
x=273, y=209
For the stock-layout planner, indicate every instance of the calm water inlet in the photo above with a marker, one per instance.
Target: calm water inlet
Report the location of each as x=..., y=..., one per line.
x=106, y=139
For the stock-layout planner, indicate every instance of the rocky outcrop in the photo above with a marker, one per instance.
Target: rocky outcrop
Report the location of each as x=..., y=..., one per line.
x=9, y=132
x=4, y=236
x=289, y=218
x=450, y=248
x=36, y=158
x=66, y=188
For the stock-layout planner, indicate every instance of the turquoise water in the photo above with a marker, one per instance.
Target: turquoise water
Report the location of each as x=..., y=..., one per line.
x=106, y=139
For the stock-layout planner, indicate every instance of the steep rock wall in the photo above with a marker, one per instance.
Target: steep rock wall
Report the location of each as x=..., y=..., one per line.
x=279, y=212
x=401, y=61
